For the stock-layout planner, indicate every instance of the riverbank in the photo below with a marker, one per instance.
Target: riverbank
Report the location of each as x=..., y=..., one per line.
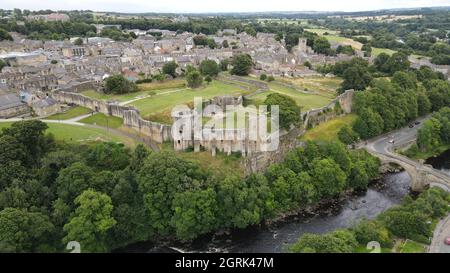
x=275, y=236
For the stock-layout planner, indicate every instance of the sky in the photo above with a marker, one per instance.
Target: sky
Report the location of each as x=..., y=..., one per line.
x=201, y=6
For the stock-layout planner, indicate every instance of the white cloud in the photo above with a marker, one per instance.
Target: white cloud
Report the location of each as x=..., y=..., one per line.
x=218, y=5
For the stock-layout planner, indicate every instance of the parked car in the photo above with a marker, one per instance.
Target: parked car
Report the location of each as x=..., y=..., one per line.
x=447, y=241
x=411, y=125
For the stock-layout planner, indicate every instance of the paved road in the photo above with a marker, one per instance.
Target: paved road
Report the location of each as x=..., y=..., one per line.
x=381, y=145
x=441, y=232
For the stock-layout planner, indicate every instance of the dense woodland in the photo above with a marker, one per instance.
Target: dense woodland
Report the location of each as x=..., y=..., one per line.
x=107, y=196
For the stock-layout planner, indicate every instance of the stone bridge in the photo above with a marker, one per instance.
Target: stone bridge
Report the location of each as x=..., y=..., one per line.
x=422, y=176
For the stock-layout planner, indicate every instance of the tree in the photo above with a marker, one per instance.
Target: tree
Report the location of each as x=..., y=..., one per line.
x=31, y=134
x=73, y=180
x=170, y=68
x=321, y=45
x=369, y=231
x=380, y=62
x=328, y=176
x=250, y=31
x=428, y=136
x=356, y=77
x=4, y=35
x=397, y=62
x=78, y=42
x=368, y=124
x=347, y=135
x=162, y=176
x=340, y=241
x=225, y=44
x=23, y=231
x=209, y=68
x=308, y=64
x=194, y=213
x=242, y=64
x=289, y=111
x=108, y=156
x=194, y=79
x=2, y=64
x=118, y=84
x=91, y=221
x=208, y=79
x=224, y=65
x=263, y=77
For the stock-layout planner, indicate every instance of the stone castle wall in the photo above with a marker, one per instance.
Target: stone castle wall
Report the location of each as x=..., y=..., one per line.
x=131, y=117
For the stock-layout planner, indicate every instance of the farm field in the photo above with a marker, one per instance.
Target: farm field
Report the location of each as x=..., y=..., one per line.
x=81, y=134
x=328, y=131
x=71, y=113
x=343, y=40
x=321, y=31
x=377, y=51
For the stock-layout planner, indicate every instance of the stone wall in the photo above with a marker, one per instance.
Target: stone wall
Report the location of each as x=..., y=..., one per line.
x=131, y=116
x=259, y=161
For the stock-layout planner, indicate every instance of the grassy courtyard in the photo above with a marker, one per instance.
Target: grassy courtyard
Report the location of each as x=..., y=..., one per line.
x=145, y=89
x=81, y=134
x=322, y=91
x=103, y=120
x=328, y=131
x=70, y=113
x=158, y=108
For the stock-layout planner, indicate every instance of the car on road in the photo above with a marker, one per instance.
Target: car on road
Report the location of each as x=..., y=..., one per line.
x=417, y=122
x=392, y=141
x=447, y=241
x=411, y=125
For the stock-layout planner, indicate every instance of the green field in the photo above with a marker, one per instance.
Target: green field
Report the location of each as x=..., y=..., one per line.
x=71, y=113
x=328, y=131
x=145, y=89
x=158, y=108
x=81, y=134
x=103, y=120
x=412, y=247
x=343, y=40
x=377, y=51
x=321, y=31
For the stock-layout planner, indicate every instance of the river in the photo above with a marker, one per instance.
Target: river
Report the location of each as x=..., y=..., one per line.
x=379, y=197
x=440, y=162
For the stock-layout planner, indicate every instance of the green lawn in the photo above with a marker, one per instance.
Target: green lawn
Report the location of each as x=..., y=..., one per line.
x=328, y=131
x=377, y=51
x=412, y=247
x=343, y=40
x=304, y=100
x=321, y=31
x=103, y=120
x=81, y=134
x=158, y=108
x=144, y=89
x=71, y=113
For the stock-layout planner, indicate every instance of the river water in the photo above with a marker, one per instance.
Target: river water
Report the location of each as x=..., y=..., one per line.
x=440, y=162
x=276, y=238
